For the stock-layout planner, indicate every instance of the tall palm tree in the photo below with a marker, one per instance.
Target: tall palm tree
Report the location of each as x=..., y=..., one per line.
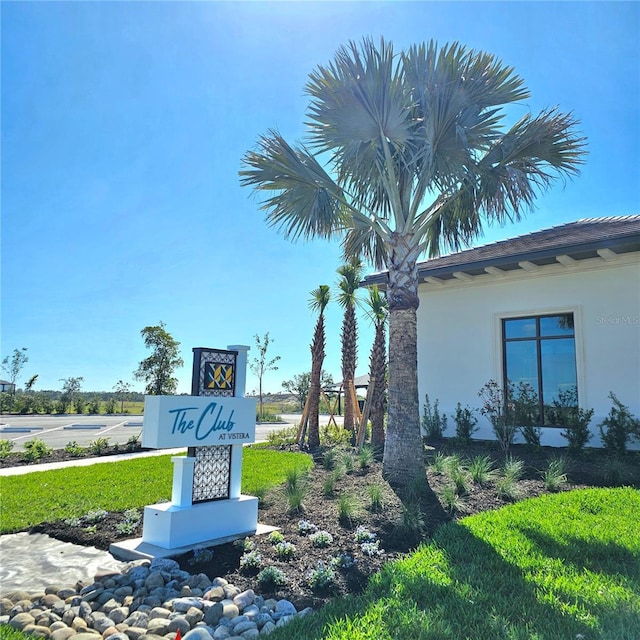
x=417, y=161
x=319, y=300
x=350, y=276
x=378, y=313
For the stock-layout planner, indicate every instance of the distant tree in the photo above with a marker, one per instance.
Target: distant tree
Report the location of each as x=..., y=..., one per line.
x=378, y=313
x=157, y=370
x=261, y=365
x=350, y=276
x=70, y=390
x=319, y=300
x=300, y=384
x=122, y=389
x=13, y=365
x=28, y=385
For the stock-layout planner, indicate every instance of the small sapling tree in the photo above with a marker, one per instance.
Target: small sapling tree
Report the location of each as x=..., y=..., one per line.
x=157, y=370
x=261, y=365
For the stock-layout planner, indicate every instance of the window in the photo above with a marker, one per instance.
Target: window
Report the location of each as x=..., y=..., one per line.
x=541, y=351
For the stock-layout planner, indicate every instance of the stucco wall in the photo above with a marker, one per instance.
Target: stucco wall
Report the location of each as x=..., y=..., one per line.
x=459, y=334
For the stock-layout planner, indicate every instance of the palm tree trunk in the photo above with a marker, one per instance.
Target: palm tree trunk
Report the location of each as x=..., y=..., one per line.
x=317, y=359
x=349, y=342
x=378, y=369
x=403, y=461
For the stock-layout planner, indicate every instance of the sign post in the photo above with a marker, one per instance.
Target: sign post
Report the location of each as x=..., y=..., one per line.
x=207, y=505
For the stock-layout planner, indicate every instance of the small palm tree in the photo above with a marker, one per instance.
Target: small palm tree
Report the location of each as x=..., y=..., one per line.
x=350, y=276
x=417, y=160
x=378, y=313
x=319, y=300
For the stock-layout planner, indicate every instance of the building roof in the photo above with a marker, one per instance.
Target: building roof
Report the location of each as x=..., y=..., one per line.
x=564, y=244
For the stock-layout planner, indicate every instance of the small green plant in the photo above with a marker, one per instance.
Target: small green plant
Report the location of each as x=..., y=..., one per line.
x=375, y=498
x=335, y=435
x=343, y=561
x=566, y=413
x=362, y=534
x=6, y=447
x=330, y=459
x=130, y=523
x=133, y=443
x=250, y=562
x=244, y=544
x=465, y=423
x=271, y=577
x=347, y=461
x=613, y=472
x=438, y=464
x=451, y=499
x=371, y=549
x=348, y=509
x=321, y=539
x=460, y=479
x=411, y=522
x=497, y=406
x=434, y=424
x=481, y=470
x=99, y=445
x=619, y=427
x=555, y=474
x=35, y=450
x=365, y=457
x=322, y=578
x=306, y=528
x=73, y=522
x=73, y=448
x=201, y=556
x=95, y=515
x=92, y=528
x=283, y=437
x=513, y=469
x=507, y=488
x=295, y=489
x=329, y=484
x=261, y=492
x=285, y=550
x=275, y=537
x=525, y=410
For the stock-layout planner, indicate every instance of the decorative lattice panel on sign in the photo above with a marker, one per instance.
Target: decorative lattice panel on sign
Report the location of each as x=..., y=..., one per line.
x=211, y=473
x=217, y=373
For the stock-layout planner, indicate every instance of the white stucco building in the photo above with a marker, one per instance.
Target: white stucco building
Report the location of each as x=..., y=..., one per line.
x=557, y=308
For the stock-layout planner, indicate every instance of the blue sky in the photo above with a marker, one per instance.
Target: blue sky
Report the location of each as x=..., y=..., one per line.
x=124, y=125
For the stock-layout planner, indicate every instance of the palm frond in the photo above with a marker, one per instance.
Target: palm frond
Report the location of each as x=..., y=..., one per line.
x=349, y=282
x=320, y=298
x=378, y=307
x=307, y=201
x=362, y=241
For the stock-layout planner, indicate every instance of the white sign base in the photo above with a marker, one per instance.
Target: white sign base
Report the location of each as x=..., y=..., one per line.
x=168, y=526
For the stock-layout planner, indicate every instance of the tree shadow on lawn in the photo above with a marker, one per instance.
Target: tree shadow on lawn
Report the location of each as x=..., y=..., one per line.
x=459, y=587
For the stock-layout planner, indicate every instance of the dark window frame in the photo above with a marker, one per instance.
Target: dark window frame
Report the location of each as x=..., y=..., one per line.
x=538, y=338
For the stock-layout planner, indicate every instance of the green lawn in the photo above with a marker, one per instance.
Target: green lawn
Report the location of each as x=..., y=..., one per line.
x=44, y=496
x=558, y=567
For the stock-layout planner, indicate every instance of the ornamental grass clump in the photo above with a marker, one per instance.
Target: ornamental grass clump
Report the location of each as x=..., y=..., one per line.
x=365, y=457
x=295, y=489
x=555, y=475
x=481, y=470
x=375, y=498
x=348, y=509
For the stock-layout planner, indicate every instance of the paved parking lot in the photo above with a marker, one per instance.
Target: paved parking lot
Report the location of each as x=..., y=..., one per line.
x=58, y=431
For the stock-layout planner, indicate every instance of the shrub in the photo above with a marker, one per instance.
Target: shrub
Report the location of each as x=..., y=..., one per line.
x=305, y=527
x=201, y=556
x=375, y=497
x=275, y=537
x=111, y=407
x=433, y=424
x=73, y=448
x=6, y=447
x=95, y=515
x=525, y=413
x=333, y=435
x=343, y=561
x=93, y=406
x=465, y=423
x=566, y=413
x=250, y=562
x=322, y=578
x=613, y=472
x=321, y=539
x=362, y=534
x=99, y=445
x=36, y=449
x=131, y=522
x=133, y=443
x=371, y=548
x=618, y=427
x=411, y=522
x=80, y=404
x=498, y=409
x=285, y=550
x=271, y=577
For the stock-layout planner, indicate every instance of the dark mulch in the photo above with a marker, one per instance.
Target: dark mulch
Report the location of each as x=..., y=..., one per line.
x=594, y=468
x=19, y=459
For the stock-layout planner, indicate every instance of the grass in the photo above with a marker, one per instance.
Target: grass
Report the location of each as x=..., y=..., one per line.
x=73, y=492
x=550, y=568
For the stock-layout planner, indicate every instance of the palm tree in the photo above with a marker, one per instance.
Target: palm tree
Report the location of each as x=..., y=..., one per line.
x=378, y=312
x=417, y=161
x=319, y=300
x=350, y=276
